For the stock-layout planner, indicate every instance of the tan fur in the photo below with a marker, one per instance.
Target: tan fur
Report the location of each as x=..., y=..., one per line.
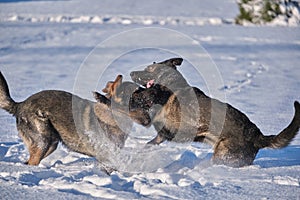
x=111, y=89
x=187, y=114
x=48, y=117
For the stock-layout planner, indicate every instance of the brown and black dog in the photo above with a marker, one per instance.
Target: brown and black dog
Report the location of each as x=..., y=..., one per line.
x=184, y=113
x=51, y=116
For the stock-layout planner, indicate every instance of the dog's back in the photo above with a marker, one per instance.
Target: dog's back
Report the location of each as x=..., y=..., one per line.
x=48, y=117
x=190, y=115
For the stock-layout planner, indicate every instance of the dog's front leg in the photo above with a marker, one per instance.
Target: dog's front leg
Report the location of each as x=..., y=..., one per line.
x=162, y=135
x=157, y=140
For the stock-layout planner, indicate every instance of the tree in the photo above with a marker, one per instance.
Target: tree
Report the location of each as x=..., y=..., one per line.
x=268, y=11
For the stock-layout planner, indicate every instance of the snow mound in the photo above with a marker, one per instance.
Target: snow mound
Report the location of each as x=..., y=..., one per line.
x=119, y=19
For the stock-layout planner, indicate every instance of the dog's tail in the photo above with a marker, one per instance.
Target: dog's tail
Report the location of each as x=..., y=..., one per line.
x=285, y=136
x=6, y=102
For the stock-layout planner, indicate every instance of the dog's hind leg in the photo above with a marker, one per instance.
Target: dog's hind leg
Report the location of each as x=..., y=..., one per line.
x=52, y=140
x=37, y=152
x=228, y=152
x=36, y=155
x=39, y=136
x=52, y=148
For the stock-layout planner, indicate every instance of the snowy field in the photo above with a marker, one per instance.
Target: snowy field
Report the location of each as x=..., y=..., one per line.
x=78, y=46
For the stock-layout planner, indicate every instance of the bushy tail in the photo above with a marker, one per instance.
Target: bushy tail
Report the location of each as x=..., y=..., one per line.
x=6, y=102
x=284, y=137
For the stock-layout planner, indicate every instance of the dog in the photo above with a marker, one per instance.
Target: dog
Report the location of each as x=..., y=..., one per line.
x=125, y=98
x=184, y=113
x=52, y=116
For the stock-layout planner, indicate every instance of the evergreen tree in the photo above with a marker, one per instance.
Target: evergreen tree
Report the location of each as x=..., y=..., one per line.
x=267, y=11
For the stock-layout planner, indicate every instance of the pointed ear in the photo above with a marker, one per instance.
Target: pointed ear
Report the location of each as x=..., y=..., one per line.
x=173, y=62
x=108, y=89
x=101, y=98
x=111, y=87
x=97, y=95
x=116, y=85
x=176, y=61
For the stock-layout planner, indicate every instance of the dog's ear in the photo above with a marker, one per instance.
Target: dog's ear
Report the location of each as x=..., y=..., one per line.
x=108, y=89
x=176, y=61
x=173, y=62
x=101, y=98
x=116, y=85
x=112, y=86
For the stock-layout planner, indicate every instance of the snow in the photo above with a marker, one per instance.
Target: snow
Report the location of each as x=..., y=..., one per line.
x=78, y=46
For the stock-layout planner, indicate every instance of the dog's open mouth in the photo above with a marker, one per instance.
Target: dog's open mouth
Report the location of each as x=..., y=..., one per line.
x=150, y=83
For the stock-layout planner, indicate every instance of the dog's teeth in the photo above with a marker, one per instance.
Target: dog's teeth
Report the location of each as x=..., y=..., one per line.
x=139, y=79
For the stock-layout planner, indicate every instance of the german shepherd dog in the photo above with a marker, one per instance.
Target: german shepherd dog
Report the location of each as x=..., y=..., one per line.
x=48, y=117
x=185, y=113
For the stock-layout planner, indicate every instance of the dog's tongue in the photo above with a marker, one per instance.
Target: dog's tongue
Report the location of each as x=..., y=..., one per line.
x=150, y=83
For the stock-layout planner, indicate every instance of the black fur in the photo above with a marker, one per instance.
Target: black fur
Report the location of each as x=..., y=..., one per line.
x=185, y=113
x=125, y=98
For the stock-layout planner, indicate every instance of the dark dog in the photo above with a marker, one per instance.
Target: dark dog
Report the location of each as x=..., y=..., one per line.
x=185, y=113
x=48, y=117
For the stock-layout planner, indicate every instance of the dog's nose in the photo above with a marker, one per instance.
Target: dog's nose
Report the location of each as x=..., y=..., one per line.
x=131, y=74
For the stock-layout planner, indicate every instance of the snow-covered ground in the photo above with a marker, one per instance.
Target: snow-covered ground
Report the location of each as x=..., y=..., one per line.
x=79, y=45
